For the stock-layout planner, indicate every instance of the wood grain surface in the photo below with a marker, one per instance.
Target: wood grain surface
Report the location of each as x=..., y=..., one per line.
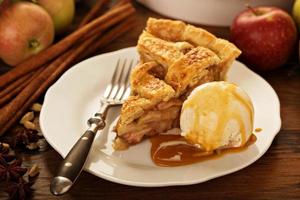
x=274, y=176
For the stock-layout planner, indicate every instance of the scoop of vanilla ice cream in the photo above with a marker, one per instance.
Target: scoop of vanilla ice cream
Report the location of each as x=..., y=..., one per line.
x=217, y=115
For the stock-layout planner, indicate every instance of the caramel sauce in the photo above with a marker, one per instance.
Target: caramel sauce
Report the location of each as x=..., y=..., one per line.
x=174, y=150
x=258, y=130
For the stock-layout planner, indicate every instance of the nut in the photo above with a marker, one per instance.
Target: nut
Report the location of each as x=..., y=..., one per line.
x=42, y=144
x=27, y=117
x=32, y=146
x=36, y=122
x=34, y=171
x=4, y=147
x=40, y=134
x=36, y=107
x=30, y=125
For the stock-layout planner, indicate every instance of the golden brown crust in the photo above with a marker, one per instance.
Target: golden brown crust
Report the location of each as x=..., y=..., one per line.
x=166, y=29
x=188, y=71
x=163, y=52
x=148, y=86
x=133, y=108
x=226, y=51
x=175, y=58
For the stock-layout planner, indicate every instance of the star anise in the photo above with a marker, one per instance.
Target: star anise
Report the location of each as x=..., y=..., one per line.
x=11, y=171
x=19, y=190
x=7, y=157
x=25, y=136
x=5, y=152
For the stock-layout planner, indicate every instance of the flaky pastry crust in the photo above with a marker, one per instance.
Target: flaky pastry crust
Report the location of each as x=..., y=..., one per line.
x=174, y=59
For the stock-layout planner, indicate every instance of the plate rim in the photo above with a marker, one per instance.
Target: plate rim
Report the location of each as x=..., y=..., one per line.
x=111, y=178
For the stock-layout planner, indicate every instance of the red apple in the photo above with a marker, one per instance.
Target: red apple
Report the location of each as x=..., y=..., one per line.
x=266, y=36
x=61, y=12
x=4, y=5
x=26, y=29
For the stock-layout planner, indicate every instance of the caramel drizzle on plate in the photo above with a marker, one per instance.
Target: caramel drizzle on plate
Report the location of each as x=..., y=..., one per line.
x=177, y=151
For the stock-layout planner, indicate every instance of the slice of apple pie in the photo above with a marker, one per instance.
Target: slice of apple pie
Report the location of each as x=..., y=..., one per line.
x=174, y=59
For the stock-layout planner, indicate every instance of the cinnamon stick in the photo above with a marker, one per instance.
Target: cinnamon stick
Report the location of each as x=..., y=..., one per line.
x=9, y=110
x=93, y=12
x=119, y=3
x=122, y=2
x=106, y=20
x=12, y=111
x=38, y=86
x=15, y=84
x=111, y=35
x=4, y=99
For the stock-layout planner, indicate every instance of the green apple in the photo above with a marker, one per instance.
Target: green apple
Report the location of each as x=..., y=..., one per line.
x=296, y=13
x=61, y=11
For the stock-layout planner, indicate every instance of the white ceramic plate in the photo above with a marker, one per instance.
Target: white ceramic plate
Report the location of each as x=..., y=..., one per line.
x=75, y=97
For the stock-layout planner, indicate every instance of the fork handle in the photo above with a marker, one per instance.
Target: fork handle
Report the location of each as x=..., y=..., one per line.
x=74, y=162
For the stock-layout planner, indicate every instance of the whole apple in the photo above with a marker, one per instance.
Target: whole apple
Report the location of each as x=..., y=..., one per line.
x=296, y=13
x=61, y=12
x=266, y=36
x=26, y=29
x=4, y=5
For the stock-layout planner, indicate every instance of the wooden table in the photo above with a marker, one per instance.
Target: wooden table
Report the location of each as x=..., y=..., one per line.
x=274, y=176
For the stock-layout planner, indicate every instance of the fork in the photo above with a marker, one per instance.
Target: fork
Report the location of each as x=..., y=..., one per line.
x=114, y=95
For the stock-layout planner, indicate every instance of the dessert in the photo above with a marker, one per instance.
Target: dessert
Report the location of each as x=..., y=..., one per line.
x=217, y=115
x=174, y=59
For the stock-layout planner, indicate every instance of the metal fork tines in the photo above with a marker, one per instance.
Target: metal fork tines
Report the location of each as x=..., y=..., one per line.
x=115, y=94
x=116, y=90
